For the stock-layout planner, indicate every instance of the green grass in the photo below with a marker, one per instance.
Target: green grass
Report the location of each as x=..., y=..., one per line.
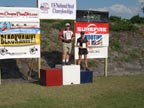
x=110, y=92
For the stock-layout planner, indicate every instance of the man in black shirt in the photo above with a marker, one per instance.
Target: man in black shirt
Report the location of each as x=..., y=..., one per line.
x=82, y=44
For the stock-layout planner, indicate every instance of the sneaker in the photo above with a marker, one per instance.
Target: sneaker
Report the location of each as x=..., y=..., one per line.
x=67, y=63
x=87, y=69
x=63, y=63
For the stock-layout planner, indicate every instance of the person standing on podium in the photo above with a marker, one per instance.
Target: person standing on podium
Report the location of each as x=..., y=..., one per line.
x=67, y=37
x=82, y=44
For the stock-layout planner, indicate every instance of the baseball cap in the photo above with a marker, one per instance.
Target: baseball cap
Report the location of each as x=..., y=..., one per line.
x=67, y=24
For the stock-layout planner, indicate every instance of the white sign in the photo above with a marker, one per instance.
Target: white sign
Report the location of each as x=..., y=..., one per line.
x=32, y=51
x=19, y=14
x=19, y=33
x=57, y=9
x=94, y=52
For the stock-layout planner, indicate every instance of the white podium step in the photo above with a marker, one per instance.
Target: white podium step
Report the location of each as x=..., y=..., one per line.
x=71, y=74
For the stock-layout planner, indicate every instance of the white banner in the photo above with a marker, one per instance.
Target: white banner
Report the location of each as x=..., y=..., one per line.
x=57, y=9
x=32, y=51
x=19, y=14
x=19, y=33
x=94, y=52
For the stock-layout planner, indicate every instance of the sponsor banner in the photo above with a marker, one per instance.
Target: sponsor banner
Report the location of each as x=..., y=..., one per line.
x=19, y=14
x=19, y=39
x=95, y=40
x=57, y=9
x=94, y=52
x=97, y=34
x=92, y=28
x=20, y=31
x=32, y=51
x=19, y=27
x=16, y=25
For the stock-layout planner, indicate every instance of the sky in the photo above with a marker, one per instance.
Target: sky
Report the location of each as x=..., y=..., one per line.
x=122, y=8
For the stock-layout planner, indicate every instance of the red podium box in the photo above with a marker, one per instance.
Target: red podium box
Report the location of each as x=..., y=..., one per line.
x=51, y=77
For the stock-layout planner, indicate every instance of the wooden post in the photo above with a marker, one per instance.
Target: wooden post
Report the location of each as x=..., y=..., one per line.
x=105, y=67
x=39, y=67
x=0, y=76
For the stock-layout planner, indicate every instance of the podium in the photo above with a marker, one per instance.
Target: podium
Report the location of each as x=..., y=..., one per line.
x=71, y=74
x=66, y=75
x=51, y=77
x=86, y=76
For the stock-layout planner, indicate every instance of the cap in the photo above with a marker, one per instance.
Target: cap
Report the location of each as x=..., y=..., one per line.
x=67, y=24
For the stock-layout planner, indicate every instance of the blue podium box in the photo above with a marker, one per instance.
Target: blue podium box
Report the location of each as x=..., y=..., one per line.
x=86, y=76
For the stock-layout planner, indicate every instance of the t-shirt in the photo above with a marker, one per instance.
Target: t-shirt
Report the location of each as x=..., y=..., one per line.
x=67, y=34
x=82, y=42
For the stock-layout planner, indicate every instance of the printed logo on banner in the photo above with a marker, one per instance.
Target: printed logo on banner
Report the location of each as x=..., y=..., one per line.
x=4, y=51
x=19, y=27
x=19, y=39
x=33, y=50
x=92, y=29
x=5, y=26
x=94, y=39
x=44, y=7
x=98, y=41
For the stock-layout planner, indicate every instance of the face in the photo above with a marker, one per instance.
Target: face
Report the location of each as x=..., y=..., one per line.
x=82, y=35
x=67, y=27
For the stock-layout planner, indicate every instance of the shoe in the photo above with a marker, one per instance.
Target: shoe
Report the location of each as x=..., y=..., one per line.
x=67, y=63
x=63, y=63
x=87, y=69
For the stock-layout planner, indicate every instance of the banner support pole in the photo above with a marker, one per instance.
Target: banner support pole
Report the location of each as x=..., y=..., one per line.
x=0, y=76
x=39, y=66
x=105, y=67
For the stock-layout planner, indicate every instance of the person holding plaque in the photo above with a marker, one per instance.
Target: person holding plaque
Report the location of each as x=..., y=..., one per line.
x=82, y=45
x=67, y=37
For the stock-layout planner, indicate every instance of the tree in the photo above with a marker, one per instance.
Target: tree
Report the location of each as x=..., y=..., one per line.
x=137, y=20
x=114, y=19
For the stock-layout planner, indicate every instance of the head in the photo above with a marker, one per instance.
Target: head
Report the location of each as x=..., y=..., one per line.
x=82, y=34
x=67, y=25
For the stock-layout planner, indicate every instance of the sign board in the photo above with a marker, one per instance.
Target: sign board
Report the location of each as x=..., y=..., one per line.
x=94, y=52
x=97, y=35
x=57, y=9
x=19, y=33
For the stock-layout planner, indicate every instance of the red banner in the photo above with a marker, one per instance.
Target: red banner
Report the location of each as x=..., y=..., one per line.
x=92, y=28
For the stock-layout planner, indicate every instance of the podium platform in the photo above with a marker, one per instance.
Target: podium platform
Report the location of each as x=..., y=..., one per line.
x=71, y=74
x=86, y=76
x=51, y=77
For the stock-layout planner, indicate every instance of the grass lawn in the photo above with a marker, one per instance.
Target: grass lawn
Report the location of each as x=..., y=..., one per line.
x=110, y=92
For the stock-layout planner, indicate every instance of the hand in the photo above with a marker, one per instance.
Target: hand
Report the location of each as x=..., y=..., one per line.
x=80, y=47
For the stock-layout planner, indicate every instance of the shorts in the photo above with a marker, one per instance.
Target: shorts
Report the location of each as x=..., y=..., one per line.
x=67, y=47
x=83, y=51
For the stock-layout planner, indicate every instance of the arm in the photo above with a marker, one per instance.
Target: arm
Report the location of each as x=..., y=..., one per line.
x=61, y=36
x=78, y=44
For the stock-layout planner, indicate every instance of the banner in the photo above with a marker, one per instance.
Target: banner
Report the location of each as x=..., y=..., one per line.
x=97, y=34
x=32, y=51
x=57, y=9
x=94, y=52
x=19, y=39
x=19, y=33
